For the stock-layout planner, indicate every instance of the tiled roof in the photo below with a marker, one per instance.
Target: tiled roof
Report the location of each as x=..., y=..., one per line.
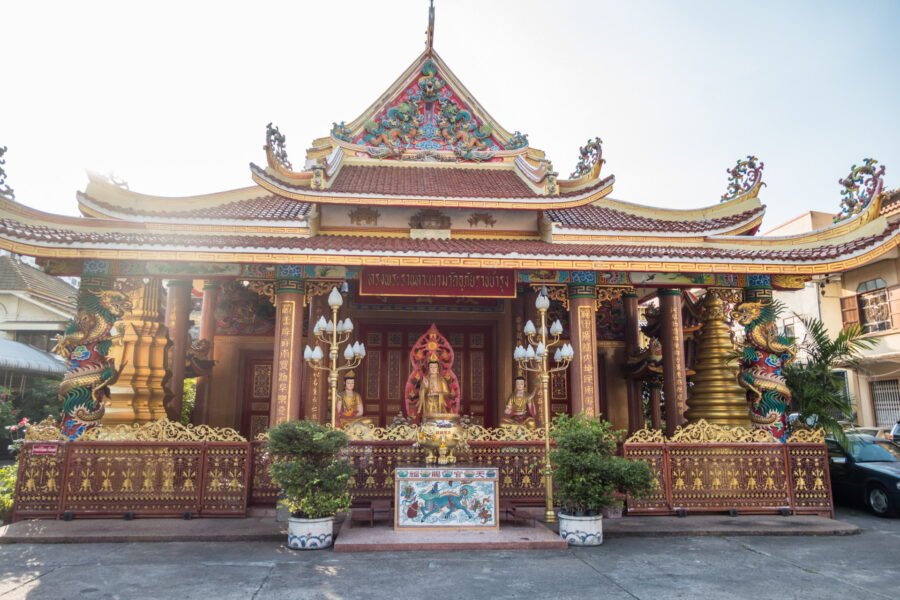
x=18, y=276
x=264, y=208
x=439, y=182
x=891, y=202
x=602, y=218
x=456, y=247
x=429, y=181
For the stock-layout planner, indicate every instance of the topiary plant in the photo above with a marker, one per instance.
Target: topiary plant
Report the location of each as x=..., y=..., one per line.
x=587, y=472
x=315, y=481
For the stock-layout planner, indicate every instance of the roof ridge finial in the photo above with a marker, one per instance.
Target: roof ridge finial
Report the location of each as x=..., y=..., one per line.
x=429, y=33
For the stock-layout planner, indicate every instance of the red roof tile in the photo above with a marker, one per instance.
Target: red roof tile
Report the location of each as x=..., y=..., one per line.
x=264, y=208
x=603, y=218
x=419, y=181
x=458, y=247
x=429, y=181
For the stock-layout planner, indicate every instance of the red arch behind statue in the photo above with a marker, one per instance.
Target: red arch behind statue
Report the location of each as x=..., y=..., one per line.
x=431, y=343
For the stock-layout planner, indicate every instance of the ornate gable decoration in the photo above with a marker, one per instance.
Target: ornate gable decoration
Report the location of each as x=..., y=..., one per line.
x=428, y=115
x=5, y=190
x=743, y=177
x=861, y=187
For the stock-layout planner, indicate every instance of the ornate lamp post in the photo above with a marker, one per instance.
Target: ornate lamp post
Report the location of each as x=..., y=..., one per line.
x=334, y=333
x=536, y=360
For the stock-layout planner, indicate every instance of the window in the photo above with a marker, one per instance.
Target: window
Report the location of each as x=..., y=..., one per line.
x=886, y=398
x=874, y=308
x=39, y=339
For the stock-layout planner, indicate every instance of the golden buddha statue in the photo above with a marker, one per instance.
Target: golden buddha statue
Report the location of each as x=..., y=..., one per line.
x=434, y=393
x=519, y=410
x=439, y=431
x=350, y=404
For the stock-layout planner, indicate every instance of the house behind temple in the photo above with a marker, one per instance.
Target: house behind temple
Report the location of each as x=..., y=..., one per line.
x=34, y=306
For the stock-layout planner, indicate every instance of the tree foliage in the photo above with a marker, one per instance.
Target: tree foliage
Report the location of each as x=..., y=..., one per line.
x=315, y=481
x=818, y=394
x=188, y=400
x=587, y=472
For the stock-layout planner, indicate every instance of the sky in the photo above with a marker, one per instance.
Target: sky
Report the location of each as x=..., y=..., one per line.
x=174, y=97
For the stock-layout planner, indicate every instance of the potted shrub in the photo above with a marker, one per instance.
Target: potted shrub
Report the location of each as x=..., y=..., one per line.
x=590, y=477
x=314, y=480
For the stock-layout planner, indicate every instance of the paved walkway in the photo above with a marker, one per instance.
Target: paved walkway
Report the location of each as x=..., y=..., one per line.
x=266, y=529
x=719, y=568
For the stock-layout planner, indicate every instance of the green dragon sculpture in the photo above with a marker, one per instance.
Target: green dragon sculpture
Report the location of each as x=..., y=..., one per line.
x=766, y=353
x=85, y=343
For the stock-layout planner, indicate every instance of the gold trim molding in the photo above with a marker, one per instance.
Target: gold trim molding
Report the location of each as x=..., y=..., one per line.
x=162, y=430
x=703, y=432
x=45, y=431
x=807, y=436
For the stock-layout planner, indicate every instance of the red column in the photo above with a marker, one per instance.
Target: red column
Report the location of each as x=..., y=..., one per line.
x=583, y=331
x=632, y=346
x=208, y=333
x=674, y=372
x=655, y=398
x=178, y=312
x=287, y=381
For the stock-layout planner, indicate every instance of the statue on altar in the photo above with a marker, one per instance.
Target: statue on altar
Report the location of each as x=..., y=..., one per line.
x=519, y=410
x=434, y=392
x=432, y=397
x=350, y=404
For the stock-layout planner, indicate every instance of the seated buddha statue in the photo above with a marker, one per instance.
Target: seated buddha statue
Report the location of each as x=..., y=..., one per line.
x=350, y=404
x=519, y=408
x=434, y=395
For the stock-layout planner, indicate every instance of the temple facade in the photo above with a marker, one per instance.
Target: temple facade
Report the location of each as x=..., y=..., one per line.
x=424, y=211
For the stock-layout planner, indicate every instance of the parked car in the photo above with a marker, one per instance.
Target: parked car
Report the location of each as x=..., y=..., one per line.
x=896, y=431
x=881, y=433
x=867, y=469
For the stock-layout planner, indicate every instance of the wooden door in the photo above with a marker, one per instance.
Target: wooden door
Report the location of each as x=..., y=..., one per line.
x=256, y=394
x=382, y=376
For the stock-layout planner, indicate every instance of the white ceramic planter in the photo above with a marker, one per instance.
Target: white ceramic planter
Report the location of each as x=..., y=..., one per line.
x=581, y=531
x=310, y=534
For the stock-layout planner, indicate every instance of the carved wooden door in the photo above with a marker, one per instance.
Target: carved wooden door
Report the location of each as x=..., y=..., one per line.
x=382, y=375
x=257, y=395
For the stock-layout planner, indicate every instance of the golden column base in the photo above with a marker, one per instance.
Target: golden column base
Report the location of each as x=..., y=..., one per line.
x=137, y=396
x=716, y=395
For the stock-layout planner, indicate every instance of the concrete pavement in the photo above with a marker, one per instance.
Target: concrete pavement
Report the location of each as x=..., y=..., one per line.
x=864, y=565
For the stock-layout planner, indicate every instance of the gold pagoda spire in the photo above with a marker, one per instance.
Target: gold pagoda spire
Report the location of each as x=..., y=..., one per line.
x=429, y=33
x=716, y=395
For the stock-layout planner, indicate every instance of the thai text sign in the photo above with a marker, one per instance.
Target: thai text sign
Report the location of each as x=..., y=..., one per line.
x=437, y=282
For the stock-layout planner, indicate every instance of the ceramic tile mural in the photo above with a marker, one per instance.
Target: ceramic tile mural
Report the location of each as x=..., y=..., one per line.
x=446, y=497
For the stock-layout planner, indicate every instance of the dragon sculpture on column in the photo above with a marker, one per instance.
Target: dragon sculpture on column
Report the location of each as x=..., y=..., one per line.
x=766, y=353
x=85, y=343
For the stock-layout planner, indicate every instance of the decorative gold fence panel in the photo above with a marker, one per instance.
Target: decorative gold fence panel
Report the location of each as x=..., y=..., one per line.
x=704, y=468
x=166, y=469
x=520, y=466
x=110, y=478
x=41, y=479
x=263, y=491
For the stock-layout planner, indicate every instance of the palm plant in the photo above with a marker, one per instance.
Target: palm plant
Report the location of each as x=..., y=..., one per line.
x=817, y=391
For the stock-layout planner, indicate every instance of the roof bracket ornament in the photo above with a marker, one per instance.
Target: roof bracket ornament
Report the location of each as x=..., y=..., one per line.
x=518, y=140
x=861, y=187
x=5, y=191
x=275, y=147
x=340, y=131
x=743, y=178
x=590, y=159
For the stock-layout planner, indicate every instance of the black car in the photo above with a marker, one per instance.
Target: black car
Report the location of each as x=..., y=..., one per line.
x=867, y=469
